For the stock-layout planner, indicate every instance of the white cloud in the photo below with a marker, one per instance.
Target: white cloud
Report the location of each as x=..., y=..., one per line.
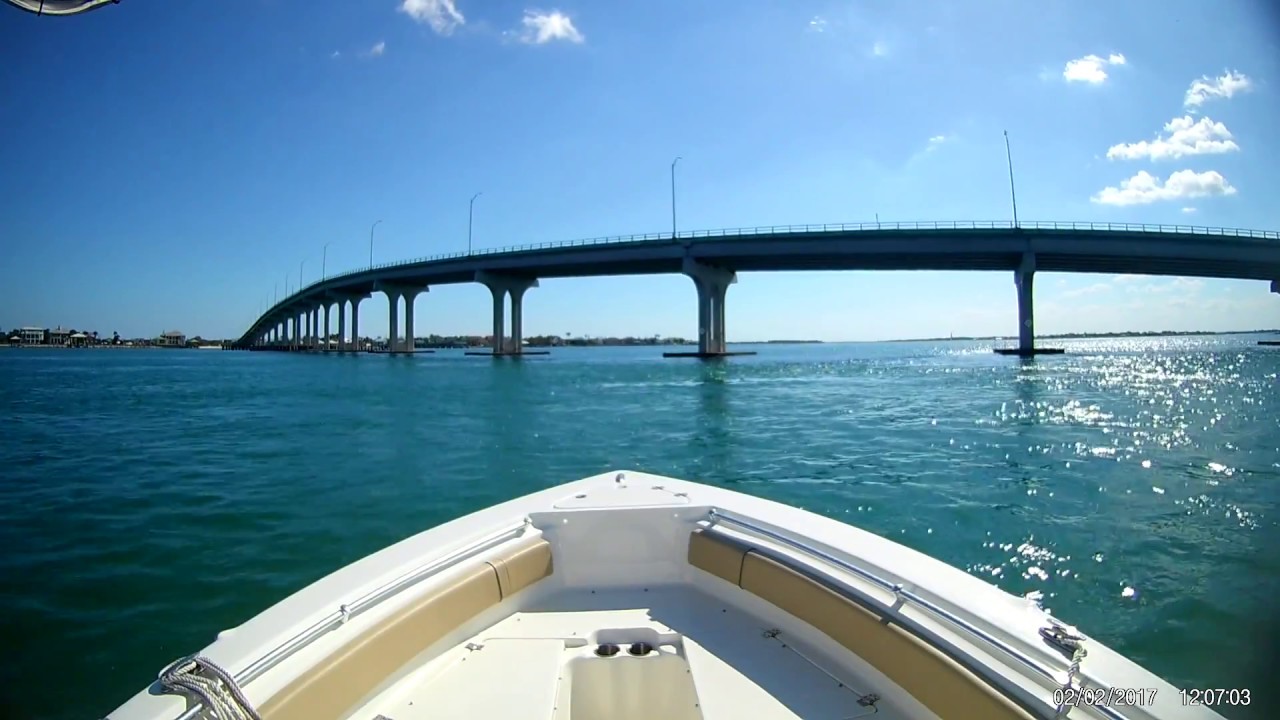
x=1156, y=285
x=1087, y=290
x=1188, y=210
x=441, y=15
x=818, y=24
x=1090, y=68
x=935, y=142
x=378, y=49
x=880, y=49
x=1207, y=88
x=1145, y=188
x=1186, y=136
x=336, y=54
x=540, y=28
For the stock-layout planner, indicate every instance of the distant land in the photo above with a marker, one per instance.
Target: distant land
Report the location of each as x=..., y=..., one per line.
x=1086, y=336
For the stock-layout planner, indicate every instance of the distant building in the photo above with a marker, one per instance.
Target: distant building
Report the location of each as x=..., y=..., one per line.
x=59, y=336
x=33, y=336
x=78, y=340
x=172, y=338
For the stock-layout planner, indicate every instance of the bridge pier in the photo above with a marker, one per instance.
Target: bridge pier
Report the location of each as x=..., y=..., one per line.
x=342, y=325
x=396, y=343
x=1024, y=281
x=324, y=335
x=1275, y=286
x=354, y=345
x=500, y=286
x=345, y=345
x=410, y=295
x=712, y=284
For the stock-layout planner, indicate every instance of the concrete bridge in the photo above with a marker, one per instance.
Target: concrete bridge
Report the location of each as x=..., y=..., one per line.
x=713, y=258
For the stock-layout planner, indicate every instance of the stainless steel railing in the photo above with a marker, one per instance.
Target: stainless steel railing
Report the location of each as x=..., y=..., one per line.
x=900, y=593
x=365, y=602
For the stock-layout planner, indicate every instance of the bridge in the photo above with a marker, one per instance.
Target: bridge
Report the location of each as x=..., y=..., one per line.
x=713, y=258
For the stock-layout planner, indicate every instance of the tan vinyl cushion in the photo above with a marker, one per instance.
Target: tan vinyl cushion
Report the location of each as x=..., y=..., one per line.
x=937, y=681
x=717, y=554
x=331, y=689
x=523, y=567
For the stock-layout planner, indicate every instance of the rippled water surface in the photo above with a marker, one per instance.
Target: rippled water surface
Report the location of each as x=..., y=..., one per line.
x=149, y=499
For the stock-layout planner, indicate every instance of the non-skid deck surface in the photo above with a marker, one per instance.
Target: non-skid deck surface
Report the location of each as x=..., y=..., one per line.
x=513, y=669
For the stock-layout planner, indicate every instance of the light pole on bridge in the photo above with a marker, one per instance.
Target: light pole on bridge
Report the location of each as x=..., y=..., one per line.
x=324, y=261
x=371, y=244
x=304, y=262
x=471, y=212
x=1013, y=193
x=673, y=196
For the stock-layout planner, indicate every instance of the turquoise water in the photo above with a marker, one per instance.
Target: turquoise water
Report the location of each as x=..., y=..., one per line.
x=150, y=498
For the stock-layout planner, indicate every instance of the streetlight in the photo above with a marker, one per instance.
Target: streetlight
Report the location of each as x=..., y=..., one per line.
x=371, y=244
x=673, y=196
x=1012, y=192
x=304, y=262
x=324, y=259
x=471, y=212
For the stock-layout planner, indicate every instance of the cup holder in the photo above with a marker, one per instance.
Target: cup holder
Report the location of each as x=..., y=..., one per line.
x=607, y=650
x=640, y=649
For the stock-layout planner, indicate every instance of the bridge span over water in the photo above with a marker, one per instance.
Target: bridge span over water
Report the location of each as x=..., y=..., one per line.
x=713, y=258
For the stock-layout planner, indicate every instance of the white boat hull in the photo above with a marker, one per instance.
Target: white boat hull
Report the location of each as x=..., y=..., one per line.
x=629, y=595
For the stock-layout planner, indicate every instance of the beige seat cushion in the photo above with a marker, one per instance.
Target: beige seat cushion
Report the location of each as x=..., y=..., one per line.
x=524, y=567
x=334, y=686
x=937, y=681
x=717, y=554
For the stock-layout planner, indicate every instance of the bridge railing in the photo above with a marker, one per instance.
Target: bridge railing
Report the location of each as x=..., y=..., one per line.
x=840, y=227
x=1243, y=233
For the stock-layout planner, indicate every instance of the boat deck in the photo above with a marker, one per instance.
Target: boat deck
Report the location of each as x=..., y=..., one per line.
x=709, y=661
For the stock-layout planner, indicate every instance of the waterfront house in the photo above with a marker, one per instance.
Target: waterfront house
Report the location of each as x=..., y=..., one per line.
x=59, y=336
x=78, y=339
x=34, y=335
x=172, y=338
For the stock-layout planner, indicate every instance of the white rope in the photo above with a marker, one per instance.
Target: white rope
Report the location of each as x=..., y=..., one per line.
x=221, y=697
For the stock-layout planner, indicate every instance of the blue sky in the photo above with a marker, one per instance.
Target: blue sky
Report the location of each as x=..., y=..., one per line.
x=165, y=164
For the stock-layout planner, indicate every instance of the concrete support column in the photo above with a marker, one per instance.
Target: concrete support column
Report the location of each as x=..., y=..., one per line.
x=409, y=297
x=342, y=326
x=712, y=284
x=293, y=332
x=1275, y=286
x=393, y=323
x=355, y=324
x=517, y=318
x=500, y=286
x=704, y=317
x=499, y=305
x=324, y=335
x=1024, y=278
